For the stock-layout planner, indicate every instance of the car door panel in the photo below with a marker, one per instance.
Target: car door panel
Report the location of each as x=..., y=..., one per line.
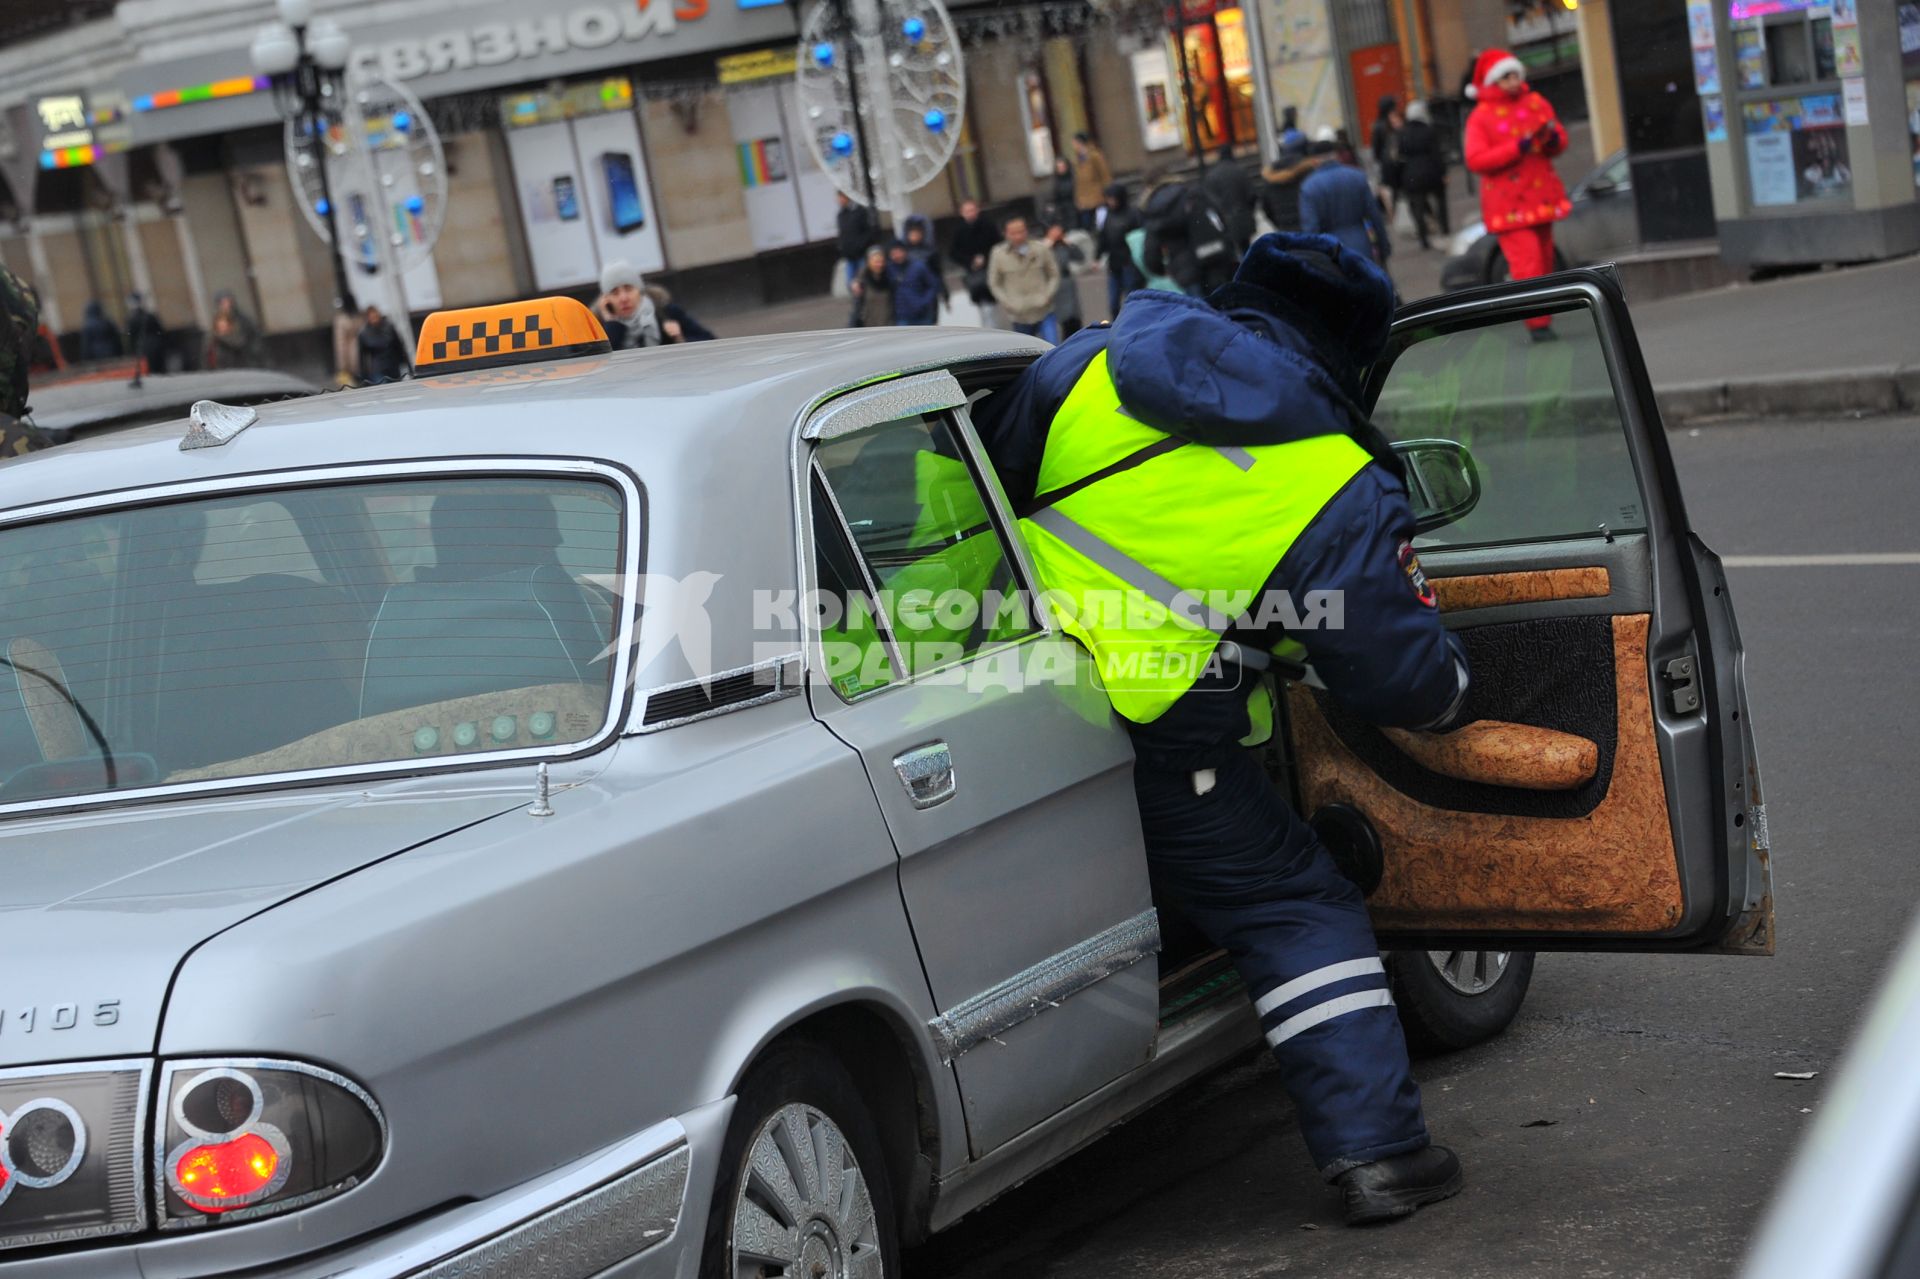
x=1006, y=783
x=1585, y=614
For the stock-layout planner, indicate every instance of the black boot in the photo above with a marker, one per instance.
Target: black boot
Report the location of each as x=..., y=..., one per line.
x=1395, y=1186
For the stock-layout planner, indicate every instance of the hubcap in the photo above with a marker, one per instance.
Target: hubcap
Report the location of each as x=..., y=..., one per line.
x=803, y=1209
x=1471, y=972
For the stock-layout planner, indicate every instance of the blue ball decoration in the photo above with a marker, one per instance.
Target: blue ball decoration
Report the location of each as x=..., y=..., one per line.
x=936, y=121
x=402, y=120
x=842, y=143
x=322, y=207
x=915, y=29
x=823, y=53
x=415, y=204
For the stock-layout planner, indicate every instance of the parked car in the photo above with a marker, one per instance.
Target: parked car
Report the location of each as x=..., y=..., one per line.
x=65, y=408
x=1603, y=225
x=517, y=821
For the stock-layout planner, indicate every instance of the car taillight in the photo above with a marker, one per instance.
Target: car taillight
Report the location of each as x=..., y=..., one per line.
x=69, y=1151
x=243, y=1139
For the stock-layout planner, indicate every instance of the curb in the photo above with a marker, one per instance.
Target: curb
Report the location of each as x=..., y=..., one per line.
x=1883, y=389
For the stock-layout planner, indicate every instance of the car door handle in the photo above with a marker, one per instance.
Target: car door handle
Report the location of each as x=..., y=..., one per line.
x=927, y=773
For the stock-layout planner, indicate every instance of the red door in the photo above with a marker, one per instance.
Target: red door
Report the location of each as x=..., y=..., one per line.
x=1377, y=72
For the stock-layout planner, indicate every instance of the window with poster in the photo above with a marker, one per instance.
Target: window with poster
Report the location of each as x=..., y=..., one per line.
x=580, y=174
x=1796, y=142
x=1209, y=53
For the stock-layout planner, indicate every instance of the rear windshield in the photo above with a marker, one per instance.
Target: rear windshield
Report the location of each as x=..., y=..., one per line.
x=310, y=628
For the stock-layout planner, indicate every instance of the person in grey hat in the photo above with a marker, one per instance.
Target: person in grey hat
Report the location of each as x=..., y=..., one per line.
x=636, y=313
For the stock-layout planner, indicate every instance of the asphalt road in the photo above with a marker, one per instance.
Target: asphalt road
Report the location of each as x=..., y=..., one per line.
x=1665, y=1126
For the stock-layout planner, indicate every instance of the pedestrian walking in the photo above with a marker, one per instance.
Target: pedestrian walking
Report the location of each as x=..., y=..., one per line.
x=917, y=289
x=383, y=356
x=1337, y=200
x=1232, y=191
x=973, y=241
x=919, y=242
x=1091, y=178
x=1128, y=424
x=1111, y=248
x=854, y=233
x=1187, y=238
x=1066, y=296
x=1423, y=175
x=1056, y=202
x=235, y=340
x=636, y=314
x=1137, y=247
x=1280, y=194
x=99, y=339
x=1386, y=152
x=1025, y=279
x=1512, y=137
x=873, y=304
x=1290, y=132
x=19, y=328
x=146, y=336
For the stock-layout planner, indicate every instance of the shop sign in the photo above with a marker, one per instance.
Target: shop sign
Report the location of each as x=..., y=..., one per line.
x=492, y=44
x=761, y=64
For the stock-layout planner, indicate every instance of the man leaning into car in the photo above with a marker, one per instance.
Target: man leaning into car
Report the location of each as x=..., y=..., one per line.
x=1201, y=446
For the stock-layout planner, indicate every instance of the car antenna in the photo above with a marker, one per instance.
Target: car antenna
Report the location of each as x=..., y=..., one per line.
x=542, y=791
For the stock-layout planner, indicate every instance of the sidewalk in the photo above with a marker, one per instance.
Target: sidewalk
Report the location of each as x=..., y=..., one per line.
x=1843, y=341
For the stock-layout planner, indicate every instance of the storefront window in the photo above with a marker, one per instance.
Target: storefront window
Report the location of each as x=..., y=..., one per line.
x=581, y=177
x=1236, y=62
x=1797, y=150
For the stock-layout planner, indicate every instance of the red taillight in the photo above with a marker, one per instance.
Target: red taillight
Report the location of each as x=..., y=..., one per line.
x=231, y=1171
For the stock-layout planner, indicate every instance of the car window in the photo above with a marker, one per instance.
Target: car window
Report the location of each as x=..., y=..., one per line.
x=316, y=628
x=919, y=524
x=1539, y=415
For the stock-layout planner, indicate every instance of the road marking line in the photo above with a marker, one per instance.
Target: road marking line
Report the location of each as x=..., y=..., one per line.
x=1861, y=560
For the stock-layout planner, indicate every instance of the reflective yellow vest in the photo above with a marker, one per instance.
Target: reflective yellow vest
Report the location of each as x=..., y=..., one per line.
x=1129, y=561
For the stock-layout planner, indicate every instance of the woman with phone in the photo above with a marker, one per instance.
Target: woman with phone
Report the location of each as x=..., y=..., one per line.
x=635, y=313
x=1512, y=137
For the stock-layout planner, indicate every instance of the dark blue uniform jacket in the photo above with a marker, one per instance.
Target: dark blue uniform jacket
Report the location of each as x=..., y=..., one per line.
x=1259, y=372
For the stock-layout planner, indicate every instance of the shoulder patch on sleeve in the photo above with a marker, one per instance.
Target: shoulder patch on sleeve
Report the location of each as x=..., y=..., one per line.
x=1416, y=576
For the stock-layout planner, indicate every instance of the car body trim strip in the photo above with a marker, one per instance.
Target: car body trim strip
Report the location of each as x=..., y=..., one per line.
x=1027, y=994
x=783, y=680
x=517, y=1208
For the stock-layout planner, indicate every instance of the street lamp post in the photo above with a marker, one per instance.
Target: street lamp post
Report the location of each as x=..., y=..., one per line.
x=307, y=61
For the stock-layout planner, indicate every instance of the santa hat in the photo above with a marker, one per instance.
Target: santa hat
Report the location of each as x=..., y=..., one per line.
x=1490, y=66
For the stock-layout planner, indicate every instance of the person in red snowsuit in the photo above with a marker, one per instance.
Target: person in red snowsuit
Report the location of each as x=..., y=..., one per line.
x=1512, y=137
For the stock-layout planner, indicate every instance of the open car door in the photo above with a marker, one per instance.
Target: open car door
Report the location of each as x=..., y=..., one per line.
x=1608, y=796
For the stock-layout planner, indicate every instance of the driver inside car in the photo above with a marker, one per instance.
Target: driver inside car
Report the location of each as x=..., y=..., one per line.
x=1212, y=450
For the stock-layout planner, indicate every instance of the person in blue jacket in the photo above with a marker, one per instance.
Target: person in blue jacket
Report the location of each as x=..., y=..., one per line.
x=1245, y=402
x=1337, y=200
x=916, y=287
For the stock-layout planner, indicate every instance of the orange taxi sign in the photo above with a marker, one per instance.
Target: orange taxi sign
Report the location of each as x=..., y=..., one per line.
x=486, y=337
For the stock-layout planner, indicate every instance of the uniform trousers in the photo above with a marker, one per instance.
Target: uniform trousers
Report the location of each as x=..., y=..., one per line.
x=1257, y=882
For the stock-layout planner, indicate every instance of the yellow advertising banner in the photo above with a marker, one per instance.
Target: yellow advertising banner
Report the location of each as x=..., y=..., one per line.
x=760, y=64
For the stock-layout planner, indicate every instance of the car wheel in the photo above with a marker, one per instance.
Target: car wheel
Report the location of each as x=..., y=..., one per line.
x=803, y=1190
x=1451, y=999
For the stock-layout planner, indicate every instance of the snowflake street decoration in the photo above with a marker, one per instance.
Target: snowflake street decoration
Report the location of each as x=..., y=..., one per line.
x=390, y=195
x=890, y=69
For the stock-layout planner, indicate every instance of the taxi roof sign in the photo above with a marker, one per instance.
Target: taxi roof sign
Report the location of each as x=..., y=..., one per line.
x=487, y=337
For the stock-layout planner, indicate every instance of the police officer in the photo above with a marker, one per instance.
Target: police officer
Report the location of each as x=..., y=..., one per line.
x=1200, y=448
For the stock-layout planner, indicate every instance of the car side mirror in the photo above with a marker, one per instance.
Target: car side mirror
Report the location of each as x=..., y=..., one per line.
x=1443, y=483
x=1601, y=188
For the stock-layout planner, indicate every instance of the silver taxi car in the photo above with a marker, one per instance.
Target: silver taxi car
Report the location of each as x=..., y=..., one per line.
x=444, y=837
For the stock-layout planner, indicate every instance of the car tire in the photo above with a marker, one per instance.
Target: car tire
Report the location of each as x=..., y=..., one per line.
x=795, y=1107
x=1450, y=1000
